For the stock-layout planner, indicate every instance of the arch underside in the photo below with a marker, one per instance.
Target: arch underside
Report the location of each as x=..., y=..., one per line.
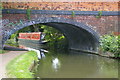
x=79, y=36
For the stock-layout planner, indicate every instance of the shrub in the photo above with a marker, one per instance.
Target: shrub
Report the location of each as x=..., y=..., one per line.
x=111, y=43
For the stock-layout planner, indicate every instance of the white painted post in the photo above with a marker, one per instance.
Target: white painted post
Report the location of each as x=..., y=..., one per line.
x=39, y=54
x=37, y=51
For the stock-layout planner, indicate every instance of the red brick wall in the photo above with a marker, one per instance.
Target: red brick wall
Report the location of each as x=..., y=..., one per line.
x=80, y=6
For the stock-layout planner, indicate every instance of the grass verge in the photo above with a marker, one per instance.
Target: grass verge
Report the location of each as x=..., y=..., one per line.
x=3, y=51
x=19, y=67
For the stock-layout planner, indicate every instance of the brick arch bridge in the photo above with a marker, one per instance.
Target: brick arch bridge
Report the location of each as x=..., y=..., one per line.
x=80, y=36
x=82, y=28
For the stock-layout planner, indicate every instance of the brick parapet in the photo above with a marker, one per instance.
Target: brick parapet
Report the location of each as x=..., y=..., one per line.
x=78, y=6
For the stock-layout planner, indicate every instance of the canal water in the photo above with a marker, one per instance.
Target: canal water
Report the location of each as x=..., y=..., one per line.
x=76, y=65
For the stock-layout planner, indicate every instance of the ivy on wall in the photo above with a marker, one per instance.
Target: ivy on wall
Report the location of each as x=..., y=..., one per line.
x=28, y=13
x=0, y=10
x=99, y=14
x=73, y=14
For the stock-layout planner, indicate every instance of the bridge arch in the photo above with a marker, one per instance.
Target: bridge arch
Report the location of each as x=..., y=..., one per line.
x=80, y=36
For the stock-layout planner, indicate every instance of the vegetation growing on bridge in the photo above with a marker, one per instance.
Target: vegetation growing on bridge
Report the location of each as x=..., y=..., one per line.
x=14, y=24
x=1, y=6
x=0, y=10
x=28, y=12
x=73, y=14
x=99, y=14
x=111, y=43
x=19, y=67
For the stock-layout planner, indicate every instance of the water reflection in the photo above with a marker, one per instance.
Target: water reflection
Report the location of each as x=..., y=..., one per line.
x=76, y=65
x=56, y=64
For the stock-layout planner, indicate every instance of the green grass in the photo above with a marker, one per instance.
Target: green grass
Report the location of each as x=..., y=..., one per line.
x=19, y=67
x=3, y=51
x=11, y=42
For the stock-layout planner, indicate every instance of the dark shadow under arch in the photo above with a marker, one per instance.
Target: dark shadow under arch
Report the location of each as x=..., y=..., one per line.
x=80, y=36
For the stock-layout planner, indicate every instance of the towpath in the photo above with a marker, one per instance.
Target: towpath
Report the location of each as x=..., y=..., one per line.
x=5, y=59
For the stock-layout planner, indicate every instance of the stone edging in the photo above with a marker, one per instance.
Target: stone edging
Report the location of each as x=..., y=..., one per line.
x=95, y=53
x=60, y=12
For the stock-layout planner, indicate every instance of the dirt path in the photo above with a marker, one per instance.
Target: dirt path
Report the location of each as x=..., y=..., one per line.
x=4, y=60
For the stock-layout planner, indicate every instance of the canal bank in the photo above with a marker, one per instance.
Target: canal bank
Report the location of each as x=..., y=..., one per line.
x=21, y=65
x=80, y=61
x=5, y=59
x=99, y=53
